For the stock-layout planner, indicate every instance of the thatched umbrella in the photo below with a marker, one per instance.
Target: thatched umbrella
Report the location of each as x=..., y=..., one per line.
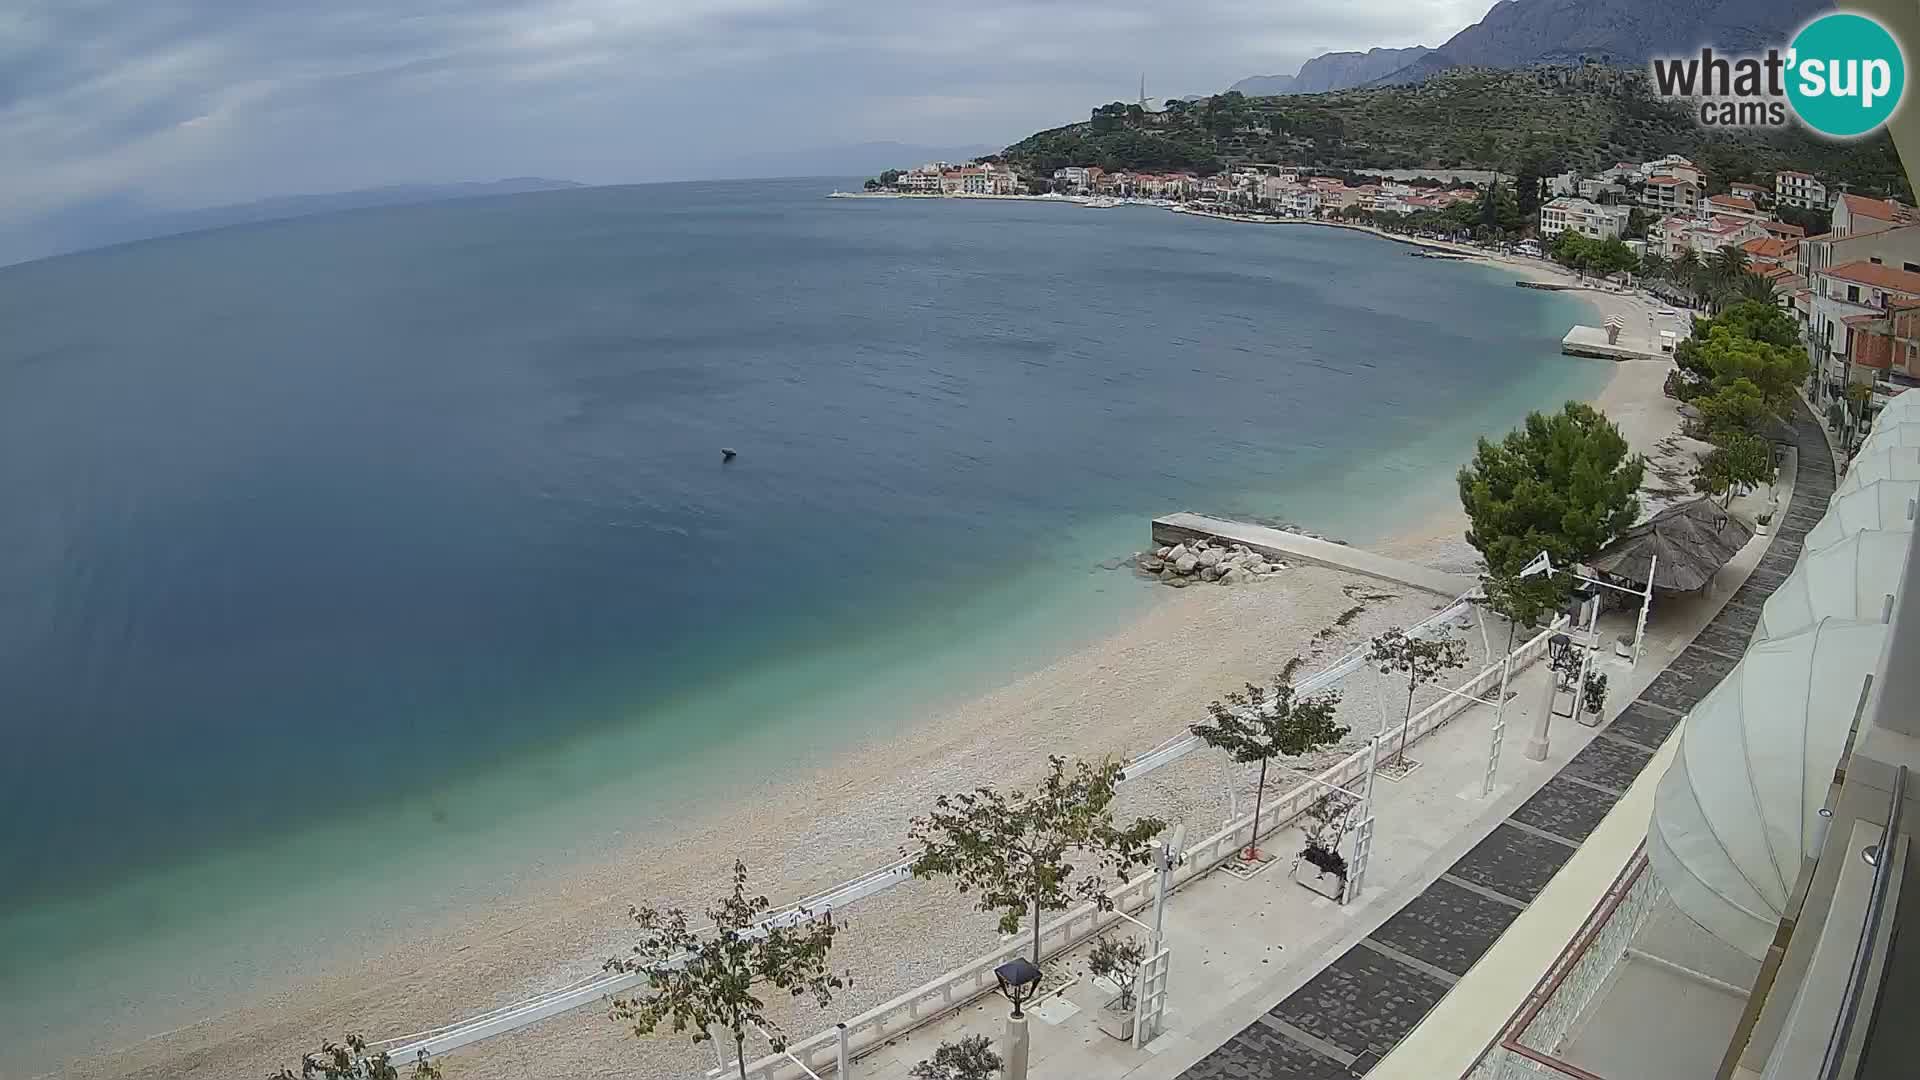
x=1693, y=540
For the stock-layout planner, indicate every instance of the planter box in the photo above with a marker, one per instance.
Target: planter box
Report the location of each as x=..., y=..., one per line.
x=1117, y=1022
x=1310, y=877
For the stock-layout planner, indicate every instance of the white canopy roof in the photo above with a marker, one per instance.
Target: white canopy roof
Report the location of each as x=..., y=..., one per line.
x=1848, y=580
x=1879, y=504
x=1891, y=433
x=1904, y=407
x=1881, y=463
x=1738, y=810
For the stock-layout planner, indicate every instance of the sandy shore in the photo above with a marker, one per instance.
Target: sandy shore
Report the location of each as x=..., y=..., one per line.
x=1119, y=695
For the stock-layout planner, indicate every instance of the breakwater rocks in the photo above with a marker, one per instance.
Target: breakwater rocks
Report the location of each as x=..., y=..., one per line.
x=1202, y=561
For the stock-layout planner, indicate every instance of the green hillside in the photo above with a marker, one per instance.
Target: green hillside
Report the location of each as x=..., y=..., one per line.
x=1553, y=118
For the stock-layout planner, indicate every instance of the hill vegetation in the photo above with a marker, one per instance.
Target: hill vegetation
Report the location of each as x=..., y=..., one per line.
x=1544, y=119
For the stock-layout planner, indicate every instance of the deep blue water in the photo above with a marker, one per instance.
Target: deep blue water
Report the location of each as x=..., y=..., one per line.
x=407, y=529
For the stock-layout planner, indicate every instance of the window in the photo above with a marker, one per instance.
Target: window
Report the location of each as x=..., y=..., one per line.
x=1875, y=260
x=1853, y=293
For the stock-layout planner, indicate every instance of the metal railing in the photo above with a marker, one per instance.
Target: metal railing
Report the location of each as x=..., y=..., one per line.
x=1885, y=856
x=596, y=987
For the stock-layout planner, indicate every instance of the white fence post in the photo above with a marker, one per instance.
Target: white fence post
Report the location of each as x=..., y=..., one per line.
x=1499, y=728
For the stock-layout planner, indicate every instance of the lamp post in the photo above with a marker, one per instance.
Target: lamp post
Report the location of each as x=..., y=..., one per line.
x=1559, y=654
x=1019, y=980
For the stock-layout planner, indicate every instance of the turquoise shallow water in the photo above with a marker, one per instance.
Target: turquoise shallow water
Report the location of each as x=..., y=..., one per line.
x=358, y=564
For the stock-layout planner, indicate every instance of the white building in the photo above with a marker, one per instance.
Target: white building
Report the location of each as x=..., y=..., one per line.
x=1733, y=206
x=1671, y=195
x=1799, y=189
x=1586, y=218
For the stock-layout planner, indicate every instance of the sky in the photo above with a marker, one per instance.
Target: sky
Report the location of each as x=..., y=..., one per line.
x=111, y=106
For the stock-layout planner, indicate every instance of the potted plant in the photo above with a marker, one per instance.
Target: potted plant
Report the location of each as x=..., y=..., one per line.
x=1594, y=696
x=1762, y=522
x=1324, y=824
x=972, y=1058
x=1118, y=960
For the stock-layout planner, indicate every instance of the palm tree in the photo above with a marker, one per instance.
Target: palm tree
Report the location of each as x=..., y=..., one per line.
x=1729, y=263
x=1653, y=266
x=1751, y=286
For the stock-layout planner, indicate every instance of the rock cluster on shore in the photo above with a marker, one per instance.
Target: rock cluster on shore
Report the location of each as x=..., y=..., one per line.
x=1202, y=560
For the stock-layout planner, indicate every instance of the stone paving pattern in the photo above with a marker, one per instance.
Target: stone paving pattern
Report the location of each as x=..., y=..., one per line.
x=1366, y=1001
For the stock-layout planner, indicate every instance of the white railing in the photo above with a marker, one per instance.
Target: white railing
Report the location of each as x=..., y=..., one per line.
x=596, y=987
x=930, y=1001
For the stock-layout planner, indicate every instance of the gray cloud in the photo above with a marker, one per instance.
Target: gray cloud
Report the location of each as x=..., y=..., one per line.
x=190, y=102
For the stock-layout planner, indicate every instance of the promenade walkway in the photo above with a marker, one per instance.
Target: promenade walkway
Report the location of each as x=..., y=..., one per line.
x=1270, y=980
x=1351, y=1014
x=1281, y=544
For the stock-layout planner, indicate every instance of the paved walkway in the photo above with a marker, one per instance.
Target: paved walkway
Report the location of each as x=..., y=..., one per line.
x=1176, y=528
x=1354, y=1011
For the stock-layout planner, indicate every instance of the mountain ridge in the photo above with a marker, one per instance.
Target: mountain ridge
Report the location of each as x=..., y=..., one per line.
x=1333, y=71
x=1621, y=33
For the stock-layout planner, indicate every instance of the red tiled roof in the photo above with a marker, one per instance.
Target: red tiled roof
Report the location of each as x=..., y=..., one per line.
x=1781, y=228
x=1732, y=201
x=1819, y=236
x=1768, y=247
x=1876, y=275
x=1878, y=209
x=1665, y=181
x=1793, y=172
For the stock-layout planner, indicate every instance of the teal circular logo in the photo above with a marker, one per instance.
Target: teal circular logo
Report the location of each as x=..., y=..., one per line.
x=1846, y=75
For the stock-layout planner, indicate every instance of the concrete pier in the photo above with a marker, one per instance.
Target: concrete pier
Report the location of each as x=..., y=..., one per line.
x=1291, y=546
x=1592, y=341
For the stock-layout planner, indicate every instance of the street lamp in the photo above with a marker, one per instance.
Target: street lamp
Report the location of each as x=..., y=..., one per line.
x=1018, y=980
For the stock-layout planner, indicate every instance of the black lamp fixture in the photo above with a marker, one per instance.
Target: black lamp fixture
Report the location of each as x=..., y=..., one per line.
x=1019, y=980
x=1560, y=658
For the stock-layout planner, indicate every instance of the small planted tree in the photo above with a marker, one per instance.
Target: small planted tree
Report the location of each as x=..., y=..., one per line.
x=1421, y=660
x=1737, y=464
x=1011, y=850
x=1260, y=726
x=700, y=981
x=1118, y=960
x=350, y=1061
x=972, y=1058
x=1519, y=599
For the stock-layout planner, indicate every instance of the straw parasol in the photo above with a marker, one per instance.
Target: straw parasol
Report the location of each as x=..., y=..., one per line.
x=1692, y=539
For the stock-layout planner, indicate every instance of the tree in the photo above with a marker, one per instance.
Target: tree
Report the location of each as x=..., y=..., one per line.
x=972, y=1058
x=1420, y=660
x=1255, y=727
x=350, y=1061
x=1737, y=464
x=1723, y=351
x=1738, y=408
x=1729, y=263
x=700, y=980
x=1562, y=483
x=1520, y=599
x=1118, y=960
x=1637, y=223
x=1012, y=849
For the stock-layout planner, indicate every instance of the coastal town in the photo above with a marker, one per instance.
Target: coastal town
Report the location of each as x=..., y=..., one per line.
x=1845, y=265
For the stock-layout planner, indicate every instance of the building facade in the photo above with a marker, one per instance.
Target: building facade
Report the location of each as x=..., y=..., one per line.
x=1589, y=219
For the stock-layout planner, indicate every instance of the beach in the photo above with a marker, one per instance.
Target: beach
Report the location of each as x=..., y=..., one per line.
x=800, y=831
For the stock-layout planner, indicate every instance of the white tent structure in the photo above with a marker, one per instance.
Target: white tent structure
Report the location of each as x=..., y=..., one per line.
x=1880, y=504
x=1898, y=433
x=1738, y=811
x=1852, y=580
x=1881, y=463
x=1903, y=409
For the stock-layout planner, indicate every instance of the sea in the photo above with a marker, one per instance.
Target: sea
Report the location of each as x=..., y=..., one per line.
x=355, y=567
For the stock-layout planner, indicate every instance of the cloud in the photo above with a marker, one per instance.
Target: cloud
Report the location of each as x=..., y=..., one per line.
x=191, y=102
